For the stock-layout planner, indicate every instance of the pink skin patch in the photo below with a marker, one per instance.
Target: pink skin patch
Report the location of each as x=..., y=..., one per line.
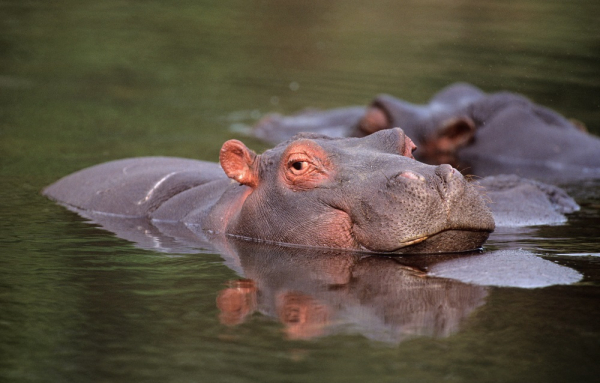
x=412, y=176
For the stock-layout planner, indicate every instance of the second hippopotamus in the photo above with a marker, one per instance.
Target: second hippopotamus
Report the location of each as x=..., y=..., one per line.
x=484, y=134
x=363, y=194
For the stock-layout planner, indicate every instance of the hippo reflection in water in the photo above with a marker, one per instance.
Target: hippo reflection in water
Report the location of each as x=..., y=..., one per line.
x=363, y=194
x=483, y=134
x=317, y=292
x=321, y=292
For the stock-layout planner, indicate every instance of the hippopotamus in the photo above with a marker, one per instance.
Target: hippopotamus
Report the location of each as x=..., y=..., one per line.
x=482, y=134
x=362, y=194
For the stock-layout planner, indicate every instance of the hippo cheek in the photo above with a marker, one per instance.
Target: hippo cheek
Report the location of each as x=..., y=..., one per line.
x=332, y=228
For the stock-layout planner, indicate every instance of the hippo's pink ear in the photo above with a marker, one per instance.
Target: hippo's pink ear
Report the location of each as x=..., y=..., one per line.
x=238, y=162
x=454, y=134
x=374, y=120
x=441, y=146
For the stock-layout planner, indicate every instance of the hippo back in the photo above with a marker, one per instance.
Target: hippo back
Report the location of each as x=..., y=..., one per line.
x=133, y=187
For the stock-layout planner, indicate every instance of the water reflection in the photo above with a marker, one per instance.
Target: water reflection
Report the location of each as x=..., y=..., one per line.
x=320, y=292
x=317, y=292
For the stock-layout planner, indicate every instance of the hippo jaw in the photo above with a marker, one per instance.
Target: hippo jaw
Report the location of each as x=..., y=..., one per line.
x=448, y=241
x=362, y=194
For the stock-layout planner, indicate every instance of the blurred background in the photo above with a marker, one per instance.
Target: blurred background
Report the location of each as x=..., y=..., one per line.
x=119, y=78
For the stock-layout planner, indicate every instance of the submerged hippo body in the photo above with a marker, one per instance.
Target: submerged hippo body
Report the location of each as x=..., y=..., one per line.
x=362, y=194
x=517, y=202
x=485, y=134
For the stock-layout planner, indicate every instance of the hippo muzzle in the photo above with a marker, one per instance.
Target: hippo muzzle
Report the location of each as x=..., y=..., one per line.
x=419, y=208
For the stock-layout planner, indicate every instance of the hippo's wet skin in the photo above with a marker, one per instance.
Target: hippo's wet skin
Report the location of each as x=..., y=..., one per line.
x=486, y=134
x=362, y=194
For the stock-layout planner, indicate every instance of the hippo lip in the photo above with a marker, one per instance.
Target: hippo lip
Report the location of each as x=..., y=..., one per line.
x=412, y=242
x=448, y=241
x=401, y=245
x=465, y=240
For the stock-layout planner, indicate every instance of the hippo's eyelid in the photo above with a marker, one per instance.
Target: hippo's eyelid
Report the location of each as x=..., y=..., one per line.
x=291, y=162
x=299, y=157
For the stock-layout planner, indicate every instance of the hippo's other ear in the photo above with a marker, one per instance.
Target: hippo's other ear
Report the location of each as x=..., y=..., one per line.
x=440, y=147
x=454, y=134
x=238, y=162
x=374, y=120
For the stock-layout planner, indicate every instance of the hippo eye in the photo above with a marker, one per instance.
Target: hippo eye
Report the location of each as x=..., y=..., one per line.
x=299, y=167
x=305, y=168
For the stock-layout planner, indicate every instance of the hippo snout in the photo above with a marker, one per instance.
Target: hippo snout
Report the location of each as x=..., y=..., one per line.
x=449, y=182
x=444, y=178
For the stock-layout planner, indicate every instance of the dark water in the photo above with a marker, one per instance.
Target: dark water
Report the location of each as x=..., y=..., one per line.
x=83, y=82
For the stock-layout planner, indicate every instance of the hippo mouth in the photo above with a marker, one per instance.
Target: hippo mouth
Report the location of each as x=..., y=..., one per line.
x=447, y=241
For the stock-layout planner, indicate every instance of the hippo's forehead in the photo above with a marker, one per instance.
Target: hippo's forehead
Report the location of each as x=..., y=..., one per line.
x=358, y=159
x=370, y=159
x=392, y=141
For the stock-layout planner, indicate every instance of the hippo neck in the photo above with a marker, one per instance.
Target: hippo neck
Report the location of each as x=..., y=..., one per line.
x=224, y=214
x=213, y=206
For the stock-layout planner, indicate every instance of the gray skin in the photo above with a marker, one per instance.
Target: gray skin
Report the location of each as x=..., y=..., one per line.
x=275, y=128
x=481, y=134
x=362, y=194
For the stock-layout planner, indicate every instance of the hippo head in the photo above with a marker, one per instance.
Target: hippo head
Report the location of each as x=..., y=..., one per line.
x=364, y=194
x=439, y=129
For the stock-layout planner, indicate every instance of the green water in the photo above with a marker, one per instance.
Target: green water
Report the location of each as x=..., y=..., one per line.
x=83, y=82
